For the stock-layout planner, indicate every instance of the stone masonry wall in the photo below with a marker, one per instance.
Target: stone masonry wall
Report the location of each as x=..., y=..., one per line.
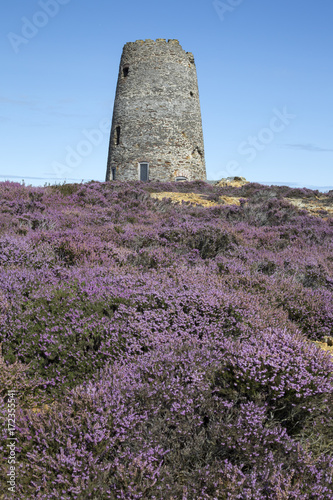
x=156, y=116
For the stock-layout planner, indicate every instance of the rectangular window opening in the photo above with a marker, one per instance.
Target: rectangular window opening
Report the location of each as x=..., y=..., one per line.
x=113, y=173
x=144, y=175
x=117, y=136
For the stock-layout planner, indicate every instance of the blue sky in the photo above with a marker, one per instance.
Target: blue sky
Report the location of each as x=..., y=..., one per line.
x=264, y=70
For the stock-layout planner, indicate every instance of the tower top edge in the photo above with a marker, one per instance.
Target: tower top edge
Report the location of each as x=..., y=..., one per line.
x=158, y=41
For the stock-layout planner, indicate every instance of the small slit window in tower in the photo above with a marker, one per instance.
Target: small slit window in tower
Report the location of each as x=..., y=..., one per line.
x=143, y=171
x=117, y=136
x=191, y=94
x=113, y=173
x=181, y=178
x=197, y=150
x=125, y=71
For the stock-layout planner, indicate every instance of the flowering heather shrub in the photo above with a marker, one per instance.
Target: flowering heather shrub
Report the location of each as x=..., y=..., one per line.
x=14, y=377
x=168, y=424
x=67, y=324
x=261, y=192
x=174, y=342
x=17, y=252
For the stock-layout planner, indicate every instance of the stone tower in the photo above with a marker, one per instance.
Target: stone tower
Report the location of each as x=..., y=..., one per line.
x=156, y=131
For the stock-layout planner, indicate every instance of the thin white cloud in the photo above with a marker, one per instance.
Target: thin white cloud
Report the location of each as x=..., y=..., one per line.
x=308, y=147
x=19, y=102
x=58, y=108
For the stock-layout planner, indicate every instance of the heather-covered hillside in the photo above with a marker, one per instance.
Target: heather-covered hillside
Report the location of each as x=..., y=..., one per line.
x=166, y=350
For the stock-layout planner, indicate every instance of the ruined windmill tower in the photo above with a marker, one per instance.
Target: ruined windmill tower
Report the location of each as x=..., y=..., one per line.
x=156, y=131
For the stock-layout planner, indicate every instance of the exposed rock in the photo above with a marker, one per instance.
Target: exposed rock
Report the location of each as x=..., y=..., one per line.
x=319, y=206
x=232, y=181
